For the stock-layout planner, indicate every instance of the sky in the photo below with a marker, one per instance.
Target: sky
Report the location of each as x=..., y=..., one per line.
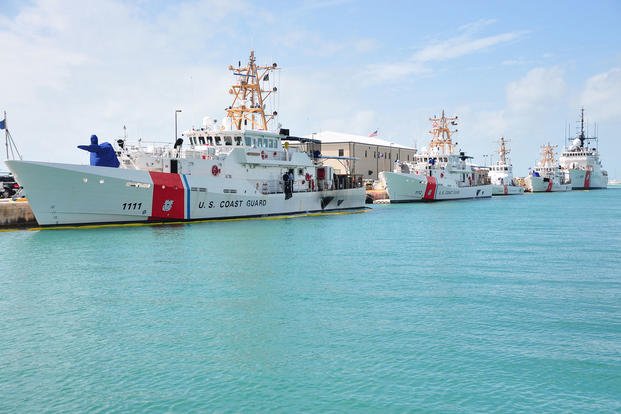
x=518, y=69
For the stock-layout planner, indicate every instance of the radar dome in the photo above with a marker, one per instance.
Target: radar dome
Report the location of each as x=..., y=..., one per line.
x=575, y=144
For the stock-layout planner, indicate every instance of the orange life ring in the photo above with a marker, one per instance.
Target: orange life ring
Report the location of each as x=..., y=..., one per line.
x=215, y=170
x=308, y=177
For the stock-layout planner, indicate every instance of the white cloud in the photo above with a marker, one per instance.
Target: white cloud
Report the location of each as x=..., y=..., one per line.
x=460, y=46
x=602, y=94
x=536, y=90
x=476, y=26
x=313, y=44
x=324, y=106
x=466, y=43
x=70, y=71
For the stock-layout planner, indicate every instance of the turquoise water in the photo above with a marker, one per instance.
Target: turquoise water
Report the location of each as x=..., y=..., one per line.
x=509, y=305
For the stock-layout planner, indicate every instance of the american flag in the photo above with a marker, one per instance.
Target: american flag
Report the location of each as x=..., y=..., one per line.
x=373, y=134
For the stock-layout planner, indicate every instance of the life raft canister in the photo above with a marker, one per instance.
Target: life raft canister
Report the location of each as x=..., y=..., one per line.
x=215, y=170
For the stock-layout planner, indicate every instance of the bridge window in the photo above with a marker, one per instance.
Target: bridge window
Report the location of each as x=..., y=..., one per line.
x=201, y=140
x=228, y=140
x=238, y=141
x=248, y=142
x=218, y=140
x=209, y=140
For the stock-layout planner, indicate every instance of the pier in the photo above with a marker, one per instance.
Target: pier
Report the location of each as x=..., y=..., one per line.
x=16, y=214
x=374, y=195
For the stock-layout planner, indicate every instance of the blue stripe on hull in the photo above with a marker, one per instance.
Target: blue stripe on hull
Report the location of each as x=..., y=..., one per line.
x=187, y=197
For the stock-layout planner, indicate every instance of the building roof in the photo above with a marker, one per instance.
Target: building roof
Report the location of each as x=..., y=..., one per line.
x=334, y=137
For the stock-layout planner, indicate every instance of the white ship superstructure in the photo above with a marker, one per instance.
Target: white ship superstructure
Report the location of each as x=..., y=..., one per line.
x=438, y=172
x=501, y=173
x=581, y=164
x=218, y=173
x=547, y=175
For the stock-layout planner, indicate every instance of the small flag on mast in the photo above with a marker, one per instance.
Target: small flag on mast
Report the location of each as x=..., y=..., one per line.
x=373, y=134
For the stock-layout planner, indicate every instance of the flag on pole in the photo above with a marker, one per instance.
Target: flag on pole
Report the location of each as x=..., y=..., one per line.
x=373, y=134
x=3, y=124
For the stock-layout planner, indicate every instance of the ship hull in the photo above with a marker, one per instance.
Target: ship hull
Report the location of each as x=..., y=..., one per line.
x=544, y=185
x=505, y=189
x=62, y=194
x=405, y=188
x=587, y=180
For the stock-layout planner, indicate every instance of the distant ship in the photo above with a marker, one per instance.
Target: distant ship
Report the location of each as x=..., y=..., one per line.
x=438, y=172
x=501, y=173
x=581, y=164
x=241, y=171
x=547, y=175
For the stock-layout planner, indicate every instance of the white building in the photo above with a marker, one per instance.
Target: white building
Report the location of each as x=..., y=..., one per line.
x=363, y=155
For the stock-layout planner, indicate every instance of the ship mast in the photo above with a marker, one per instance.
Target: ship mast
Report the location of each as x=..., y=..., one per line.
x=581, y=135
x=248, y=108
x=11, y=148
x=503, y=151
x=441, y=133
x=547, y=155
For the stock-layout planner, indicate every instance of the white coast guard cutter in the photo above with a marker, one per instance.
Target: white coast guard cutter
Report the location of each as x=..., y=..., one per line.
x=501, y=173
x=547, y=175
x=581, y=164
x=238, y=172
x=437, y=173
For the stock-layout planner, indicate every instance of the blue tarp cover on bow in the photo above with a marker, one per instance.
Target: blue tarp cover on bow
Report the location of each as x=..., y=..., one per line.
x=102, y=155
